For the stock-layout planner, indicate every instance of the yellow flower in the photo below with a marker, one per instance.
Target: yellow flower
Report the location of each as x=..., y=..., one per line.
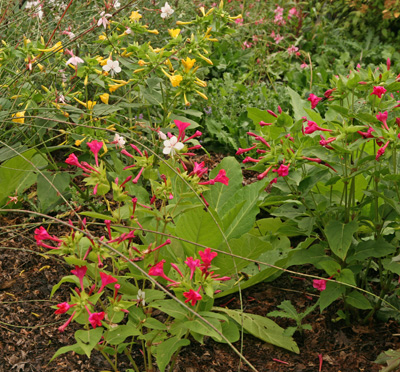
x=79, y=142
x=91, y=104
x=102, y=37
x=175, y=80
x=174, y=33
x=135, y=16
x=202, y=95
x=205, y=58
x=104, y=98
x=142, y=63
x=188, y=64
x=114, y=87
x=56, y=47
x=187, y=103
x=85, y=82
x=155, y=32
x=179, y=23
x=19, y=117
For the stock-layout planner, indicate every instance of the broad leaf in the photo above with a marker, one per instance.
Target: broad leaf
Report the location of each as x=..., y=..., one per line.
x=88, y=340
x=340, y=236
x=166, y=350
x=262, y=328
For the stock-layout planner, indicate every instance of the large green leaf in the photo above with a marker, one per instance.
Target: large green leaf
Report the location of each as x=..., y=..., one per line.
x=372, y=248
x=219, y=194
x=49, y=188
x=65, y=349
x=171, y=307
x=262, y=328
x=340, y=236
x=118, y=335
x=88, y=340
x=258, y=115
x=18, y=174
x=297, y=104
x=166, y=350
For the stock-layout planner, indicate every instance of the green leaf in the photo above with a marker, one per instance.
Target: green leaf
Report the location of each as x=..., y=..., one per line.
x=297, y=104
x=47, y=194
x=166, y=350
x=193, y=124
x=198, y=326
x=98, y=216
x=154, y=324
x=171, y=307
x=262, y=328
x=339, y=236
x=65, y=349
x=102, y=110
x=357, y=300
x=371, y=248
x=88, y=340
x=258, y=115
x=219, y=194
x=118, y=335
x=18, y=174
x=332, y=292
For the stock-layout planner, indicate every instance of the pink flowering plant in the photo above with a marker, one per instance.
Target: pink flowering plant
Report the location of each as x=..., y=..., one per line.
x=333, y=178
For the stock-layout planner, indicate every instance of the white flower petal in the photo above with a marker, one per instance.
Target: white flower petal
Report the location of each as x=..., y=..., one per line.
x=167, y=143
x=166, y=150
x=173, y=140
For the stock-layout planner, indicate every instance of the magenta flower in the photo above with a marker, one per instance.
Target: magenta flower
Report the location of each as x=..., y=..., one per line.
x=199, y=170
x=182, y=127
x=95, y=147
x=325, y=142
x=80, y=272
x=192, y=263
x=105, y=280
x=367, y=134
x=221, y=177
x=264, y=124
x=73, y=160
x=382, y=150
x=197, y=134
x=329, y=92
x=382, y=117
x=282, y=171
x=96, y=318
x=319, y=161
x=158, y=270
x=207, y=256
x=378, y=91
x=192, y=296
x=65, y=325
x=240, y=151
x=312, y=127
x=314, y=100
x=63, y=307
x=319, y=284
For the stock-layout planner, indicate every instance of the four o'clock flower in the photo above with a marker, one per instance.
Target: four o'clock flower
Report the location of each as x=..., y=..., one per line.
x=63, y=307
x=166, y=11
x=103, y=20
x=74, y=60
x=65, y=325
x=207, y=256
x=282, y=171
x=314, y=100
x=312, y=127
x=382, y=150
x=221, y=178
x=95, y=147
x=112, y=67
x=80, y=272
x=382, y=117
x=367, y=134
x=96, y=318
x=192, y=296
x=182, y=127
x=192, y=263
x=378, y=91
x=158, y=270
x=172, y=145
x=105, y=280
x=325, y=142
x=319, y=284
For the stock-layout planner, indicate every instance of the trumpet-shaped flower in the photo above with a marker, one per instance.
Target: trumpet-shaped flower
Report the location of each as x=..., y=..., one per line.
x=188, y=64
x=319, y=284
x=80, y=272
x=192, y=296
x=182, y=127
x=96, y=318
x=166, y=11
x=381, y=151
x=314, y=100
x=312, y=127
x=172, y=145
x=174, y=33
x=95, y=147
x=282, y=171
x=135, y=16
x=378, y=91
x=382, y=117
x=103, y=20
x=112, y=67
x=105, y=280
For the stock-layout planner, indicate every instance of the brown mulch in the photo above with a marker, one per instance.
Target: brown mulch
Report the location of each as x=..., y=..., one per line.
x=29, y=334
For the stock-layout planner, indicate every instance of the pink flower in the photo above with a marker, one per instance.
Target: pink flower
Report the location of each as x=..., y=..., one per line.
x=282, y=171
x=388, y=64
x=73, y=160
x=103, y=20
x=291, y=50
x=312, y=127
x=207, y=256
x=367, y=134
x=303, y=65
x=382, y=117
x=192, y=263
x=378, y=91
x=65, y=325
x=221, y=177
x=278, y=38
x=240, y=151
x=199, y=170
x=74, y=60
x=192, y=296
x=96, y=318
x=95, y=147
x=197, y=134
x=80, y=272
x=325, y=142
x=158, y=270
x=264, y=174
x=63, y=307
x=182, y=127
x=329, y=92
x=319, y=284
x=105, y=280
x=382, y=150
x=314, y=100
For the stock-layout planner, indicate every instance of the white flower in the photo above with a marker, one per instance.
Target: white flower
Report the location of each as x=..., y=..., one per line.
x=112, y=66
x=128, y=31
x=141, y=295
x=161, y=135
x=172, y=145
x=61, y=99
x=40, y=14
x=74, y=60
x=117, y=4
x=166, y=11
x=103, y=20
x=119, y=140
